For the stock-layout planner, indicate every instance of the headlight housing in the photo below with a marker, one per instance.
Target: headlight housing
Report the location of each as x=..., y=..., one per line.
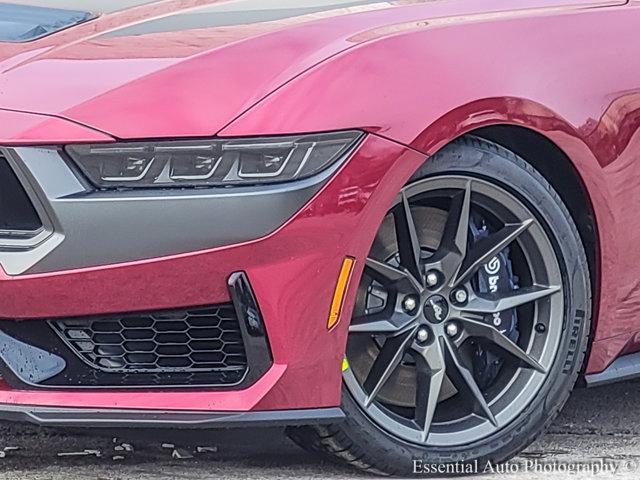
x=208, y=163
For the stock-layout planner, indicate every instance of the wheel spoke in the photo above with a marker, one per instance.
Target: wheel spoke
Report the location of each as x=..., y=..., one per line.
x=390, y=356
x=487, y=248
x=381, y=323
x=495, y=303
x=457, y=227
x=430, y=373
x=408, y=244
x=453, y=246
x=492, y=334
x=391, y=276
x=383, y=272
x=468, y=383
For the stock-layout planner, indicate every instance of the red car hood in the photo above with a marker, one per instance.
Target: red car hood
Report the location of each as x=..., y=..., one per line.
x=180, y=68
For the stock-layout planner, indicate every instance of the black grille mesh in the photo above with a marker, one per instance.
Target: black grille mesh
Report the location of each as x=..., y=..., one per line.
x=176, y=344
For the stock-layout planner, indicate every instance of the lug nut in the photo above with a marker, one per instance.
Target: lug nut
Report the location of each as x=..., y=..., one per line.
x=422, y=335
x=461, y=295
x=409, y=304
x=432, y=279
x=541, y=328
x=452, y=329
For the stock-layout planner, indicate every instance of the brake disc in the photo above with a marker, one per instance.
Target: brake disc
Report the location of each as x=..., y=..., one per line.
x=400, y=389
x=497, y=276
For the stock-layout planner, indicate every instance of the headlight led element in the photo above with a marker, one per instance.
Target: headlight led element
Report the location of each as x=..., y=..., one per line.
x=207, y=163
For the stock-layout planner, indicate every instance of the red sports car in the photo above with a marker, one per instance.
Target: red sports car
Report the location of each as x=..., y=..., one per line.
x=404, y=229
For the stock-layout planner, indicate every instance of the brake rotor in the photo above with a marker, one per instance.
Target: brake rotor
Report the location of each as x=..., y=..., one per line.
x=400, y=389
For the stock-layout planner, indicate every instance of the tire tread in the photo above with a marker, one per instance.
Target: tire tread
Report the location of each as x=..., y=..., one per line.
x=334, y=439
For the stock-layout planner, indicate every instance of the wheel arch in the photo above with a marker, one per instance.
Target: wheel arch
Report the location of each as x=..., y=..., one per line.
x=567, y=176
x=559, y=170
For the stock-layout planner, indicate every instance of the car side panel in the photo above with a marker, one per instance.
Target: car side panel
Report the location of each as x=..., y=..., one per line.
x=570, y=76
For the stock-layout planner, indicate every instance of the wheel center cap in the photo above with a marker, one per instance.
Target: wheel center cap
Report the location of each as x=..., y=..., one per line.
x=436, y=309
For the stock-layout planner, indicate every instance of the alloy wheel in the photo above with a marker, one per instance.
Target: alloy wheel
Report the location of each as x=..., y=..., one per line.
x=422, y=315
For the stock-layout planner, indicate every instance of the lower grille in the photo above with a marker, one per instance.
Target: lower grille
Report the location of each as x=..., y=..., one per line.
x=183, y=340
x=172, y=345
x=219, y=346
x=18, y=217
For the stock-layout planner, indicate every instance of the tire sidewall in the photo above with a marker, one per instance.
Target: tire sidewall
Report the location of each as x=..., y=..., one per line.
x=476, y=157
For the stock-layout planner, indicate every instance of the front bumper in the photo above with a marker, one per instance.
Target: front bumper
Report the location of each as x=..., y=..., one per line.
x=115, y=418
x=292, y=267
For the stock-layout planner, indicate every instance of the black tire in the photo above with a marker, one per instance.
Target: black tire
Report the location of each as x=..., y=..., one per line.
x=362, y=443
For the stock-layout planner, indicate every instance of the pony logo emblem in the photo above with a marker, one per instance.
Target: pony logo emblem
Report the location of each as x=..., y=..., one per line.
x=436, y=309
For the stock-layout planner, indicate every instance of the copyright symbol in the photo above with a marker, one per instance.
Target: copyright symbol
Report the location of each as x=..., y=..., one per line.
x=630, y=465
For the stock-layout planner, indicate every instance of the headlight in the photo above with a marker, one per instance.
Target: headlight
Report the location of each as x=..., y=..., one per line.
x=217, y=162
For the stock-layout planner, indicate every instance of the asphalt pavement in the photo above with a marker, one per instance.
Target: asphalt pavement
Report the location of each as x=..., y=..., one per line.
x=597, y=435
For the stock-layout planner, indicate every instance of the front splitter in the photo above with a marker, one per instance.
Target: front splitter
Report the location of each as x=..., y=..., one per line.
x=118, y=418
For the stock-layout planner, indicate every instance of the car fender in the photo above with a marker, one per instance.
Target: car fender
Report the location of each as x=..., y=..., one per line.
x=424, y=84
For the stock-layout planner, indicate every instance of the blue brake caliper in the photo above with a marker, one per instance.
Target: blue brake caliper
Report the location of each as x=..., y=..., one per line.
x=495, y=276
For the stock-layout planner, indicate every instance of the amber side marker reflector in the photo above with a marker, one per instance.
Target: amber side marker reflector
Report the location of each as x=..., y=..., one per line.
x=341, y=288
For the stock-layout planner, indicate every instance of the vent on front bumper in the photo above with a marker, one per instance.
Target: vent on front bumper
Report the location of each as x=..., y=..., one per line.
x=179, y=341
x=18, y=217
x=218, y=346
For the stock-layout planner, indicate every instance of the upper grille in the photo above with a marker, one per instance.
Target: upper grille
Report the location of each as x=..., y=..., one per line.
x=177, y=344
x=18, y=217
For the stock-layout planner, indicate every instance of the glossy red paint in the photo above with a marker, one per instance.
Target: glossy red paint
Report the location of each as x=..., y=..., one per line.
x=591, y=112
x=409, y=72
x=191, y=83
x=19, y=128
x=293, y=273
